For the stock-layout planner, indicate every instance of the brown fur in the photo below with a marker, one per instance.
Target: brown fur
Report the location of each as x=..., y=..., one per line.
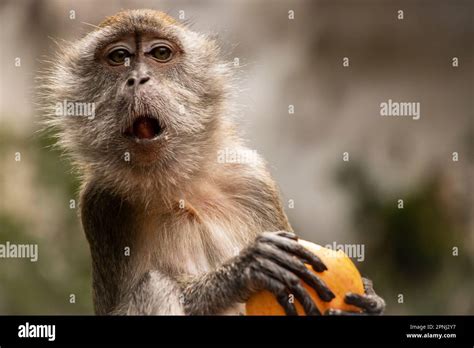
x=136, y=204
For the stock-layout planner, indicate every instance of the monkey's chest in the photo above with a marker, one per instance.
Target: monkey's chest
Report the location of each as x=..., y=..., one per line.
x=193, y=245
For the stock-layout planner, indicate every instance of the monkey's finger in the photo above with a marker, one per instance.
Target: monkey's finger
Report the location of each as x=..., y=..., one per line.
x=379, y=306
x=275, y=271
x=286, y=234
x=368, y=286
x=297, y=267
x=305, y=299
x=296, y=249
x=284, y=301
x=283, y=276
x=369, y=303
x=278, y=289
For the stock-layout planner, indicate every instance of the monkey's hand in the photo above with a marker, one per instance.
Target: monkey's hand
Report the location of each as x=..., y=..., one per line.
x=370, y=302
x=275, y=261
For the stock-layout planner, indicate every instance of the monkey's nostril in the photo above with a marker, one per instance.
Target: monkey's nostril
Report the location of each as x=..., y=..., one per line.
x=144, y=80
x=130, y=82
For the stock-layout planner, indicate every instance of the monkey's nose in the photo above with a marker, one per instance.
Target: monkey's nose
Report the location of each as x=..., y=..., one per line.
x=142, y=80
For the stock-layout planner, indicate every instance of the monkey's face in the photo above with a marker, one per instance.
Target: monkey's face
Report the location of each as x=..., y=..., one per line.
x=158, y=91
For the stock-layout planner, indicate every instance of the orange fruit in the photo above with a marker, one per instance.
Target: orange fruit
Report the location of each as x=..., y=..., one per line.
x=341, y=277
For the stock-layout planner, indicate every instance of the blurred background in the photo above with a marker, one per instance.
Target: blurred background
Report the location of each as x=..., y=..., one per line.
x=409, y=252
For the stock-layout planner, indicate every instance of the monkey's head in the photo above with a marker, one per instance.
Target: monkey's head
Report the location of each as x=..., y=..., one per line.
x=141, y=93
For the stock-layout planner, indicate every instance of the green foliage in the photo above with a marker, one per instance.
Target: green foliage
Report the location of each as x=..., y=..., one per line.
x=63, y=265
x=409, y=251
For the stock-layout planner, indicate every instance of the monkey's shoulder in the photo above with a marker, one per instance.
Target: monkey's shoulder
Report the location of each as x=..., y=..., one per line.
x=252, y=188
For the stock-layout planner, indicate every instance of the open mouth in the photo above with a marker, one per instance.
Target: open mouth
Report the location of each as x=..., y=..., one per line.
x=144, y=128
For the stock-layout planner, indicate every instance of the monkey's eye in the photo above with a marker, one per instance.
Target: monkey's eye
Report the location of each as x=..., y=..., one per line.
x=118, y=56
x=161, y=53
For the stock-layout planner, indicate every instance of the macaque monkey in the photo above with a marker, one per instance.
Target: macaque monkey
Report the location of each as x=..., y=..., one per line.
x=171, y=229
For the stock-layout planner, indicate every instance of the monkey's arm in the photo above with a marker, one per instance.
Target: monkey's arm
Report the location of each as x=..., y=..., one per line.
x=269, y=263
x=266, y=264
x=275, y=262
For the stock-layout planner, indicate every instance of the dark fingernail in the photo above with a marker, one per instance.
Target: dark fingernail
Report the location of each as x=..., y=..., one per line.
x=327, y=295
x=318, y=266
x=323, y=291
x=353, y=299
x=351, y=295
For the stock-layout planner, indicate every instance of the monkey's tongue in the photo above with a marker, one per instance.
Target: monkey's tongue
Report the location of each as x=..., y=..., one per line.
x=146, y=128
